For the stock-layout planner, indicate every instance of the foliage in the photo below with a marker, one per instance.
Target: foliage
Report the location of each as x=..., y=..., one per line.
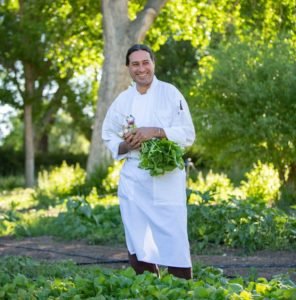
x=267, y=19
x=14, y=139
x=96, y=180
x=59, y=182
x=245, y=109
x=161, y=155
x=12, y=162
x=263, y=184
x=184, y=57
x=11, y=182
x=203, y=20
x=215, y=216
x=97, y=223
x=206, y=24
x=240, y=224
x=25, y=278
x=110, y=182
x=11, y=205
x=68, y=136
x=234, y=223
x=46, y=47
x=218, y=186
x=19, y=198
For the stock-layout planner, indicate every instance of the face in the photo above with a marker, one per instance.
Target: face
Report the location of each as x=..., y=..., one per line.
x=141, y=69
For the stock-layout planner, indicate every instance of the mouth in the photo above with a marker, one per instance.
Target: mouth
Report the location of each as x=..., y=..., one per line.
x=142, y=75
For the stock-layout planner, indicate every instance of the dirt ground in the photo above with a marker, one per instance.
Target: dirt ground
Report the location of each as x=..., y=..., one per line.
x=260, y=264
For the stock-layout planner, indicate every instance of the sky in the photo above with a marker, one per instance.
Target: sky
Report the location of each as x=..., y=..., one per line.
x=6, y=112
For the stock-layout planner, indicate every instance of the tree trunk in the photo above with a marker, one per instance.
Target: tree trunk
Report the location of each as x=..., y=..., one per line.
x=28, y=123
x=42, y=143
x=28, y=127
x=292, y=177
x=119, y=34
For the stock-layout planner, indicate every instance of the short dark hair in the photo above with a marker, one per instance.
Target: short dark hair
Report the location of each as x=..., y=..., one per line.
x=138, y=47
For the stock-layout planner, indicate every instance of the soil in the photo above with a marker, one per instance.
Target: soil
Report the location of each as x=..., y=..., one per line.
x=260, y=264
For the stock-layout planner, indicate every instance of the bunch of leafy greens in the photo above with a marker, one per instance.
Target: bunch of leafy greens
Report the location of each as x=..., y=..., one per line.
x=161, y=155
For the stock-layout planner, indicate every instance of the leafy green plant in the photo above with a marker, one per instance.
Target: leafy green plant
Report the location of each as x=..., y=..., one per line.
x=95, y=180
x=245, y=105
x=234, y=222
x=24, y=278
x=99, y=223
x=110, y=182
x=160, y=155
x=59, y=182
x=240, y=224
x=11, y=182
x=262, y=184
x=219, y=186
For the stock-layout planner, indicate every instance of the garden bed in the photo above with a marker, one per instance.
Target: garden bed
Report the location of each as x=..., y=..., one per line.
x=259, y=264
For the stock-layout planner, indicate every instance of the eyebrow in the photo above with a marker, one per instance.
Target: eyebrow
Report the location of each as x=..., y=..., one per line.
x=138, y=61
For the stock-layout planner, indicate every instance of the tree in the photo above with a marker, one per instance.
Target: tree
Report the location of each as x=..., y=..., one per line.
x=246, y=106
x=126, y=23
x=184, y=59
x=119, y=34
x=44, y=44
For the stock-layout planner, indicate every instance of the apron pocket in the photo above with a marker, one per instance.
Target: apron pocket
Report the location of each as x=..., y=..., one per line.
x=170, y=188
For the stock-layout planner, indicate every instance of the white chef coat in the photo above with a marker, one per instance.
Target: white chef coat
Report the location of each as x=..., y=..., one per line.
x=153, y=209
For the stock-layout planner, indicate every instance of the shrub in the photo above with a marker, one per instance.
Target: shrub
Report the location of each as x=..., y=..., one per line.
x=12, y=161
x=11, y=182
x=263, y=184
x=59, y=182
x=240, y=224
x=219, y=186
x=110, y=183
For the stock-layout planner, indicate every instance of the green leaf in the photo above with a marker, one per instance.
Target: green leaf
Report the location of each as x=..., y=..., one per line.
x=161, y=155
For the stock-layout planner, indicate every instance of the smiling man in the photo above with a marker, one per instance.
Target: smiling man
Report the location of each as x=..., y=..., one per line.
x=153, y=209
x=141, y=67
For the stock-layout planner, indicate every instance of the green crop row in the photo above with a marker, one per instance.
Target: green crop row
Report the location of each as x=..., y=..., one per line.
x=23, y=278
x=233, y=223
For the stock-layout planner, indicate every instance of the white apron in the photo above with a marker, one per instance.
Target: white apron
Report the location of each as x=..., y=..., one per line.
x=153, y=209
x=155, y=220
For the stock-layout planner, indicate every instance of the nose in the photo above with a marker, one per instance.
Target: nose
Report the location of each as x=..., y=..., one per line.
x=141, y=68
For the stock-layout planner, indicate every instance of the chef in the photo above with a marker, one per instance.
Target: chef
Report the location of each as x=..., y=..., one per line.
x=153, y=208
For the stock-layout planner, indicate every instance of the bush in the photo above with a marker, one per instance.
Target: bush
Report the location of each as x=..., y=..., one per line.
x=10, y=182
x=219, y=186
x=263, y=184
x=110, y=183
x=245, y=106
x=59, y=182
x=240, y=224
x=12, y=162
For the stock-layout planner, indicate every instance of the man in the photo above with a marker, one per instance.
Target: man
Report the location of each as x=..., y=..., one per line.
x=153, y=209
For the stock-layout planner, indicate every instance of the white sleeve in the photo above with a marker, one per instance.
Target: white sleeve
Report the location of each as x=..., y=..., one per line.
x=112, y=126
x=181, y=130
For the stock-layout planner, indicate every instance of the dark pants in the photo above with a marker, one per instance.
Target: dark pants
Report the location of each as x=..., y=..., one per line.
x=141, y=266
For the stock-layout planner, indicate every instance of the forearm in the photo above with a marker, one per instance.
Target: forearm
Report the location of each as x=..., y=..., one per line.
x=148, y=133
x=123, y=148
x=133, y=141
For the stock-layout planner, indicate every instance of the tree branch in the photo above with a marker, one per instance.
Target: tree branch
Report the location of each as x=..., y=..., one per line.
x=145, y=18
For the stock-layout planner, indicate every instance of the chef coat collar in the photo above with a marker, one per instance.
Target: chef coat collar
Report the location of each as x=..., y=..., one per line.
x=150, y=89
